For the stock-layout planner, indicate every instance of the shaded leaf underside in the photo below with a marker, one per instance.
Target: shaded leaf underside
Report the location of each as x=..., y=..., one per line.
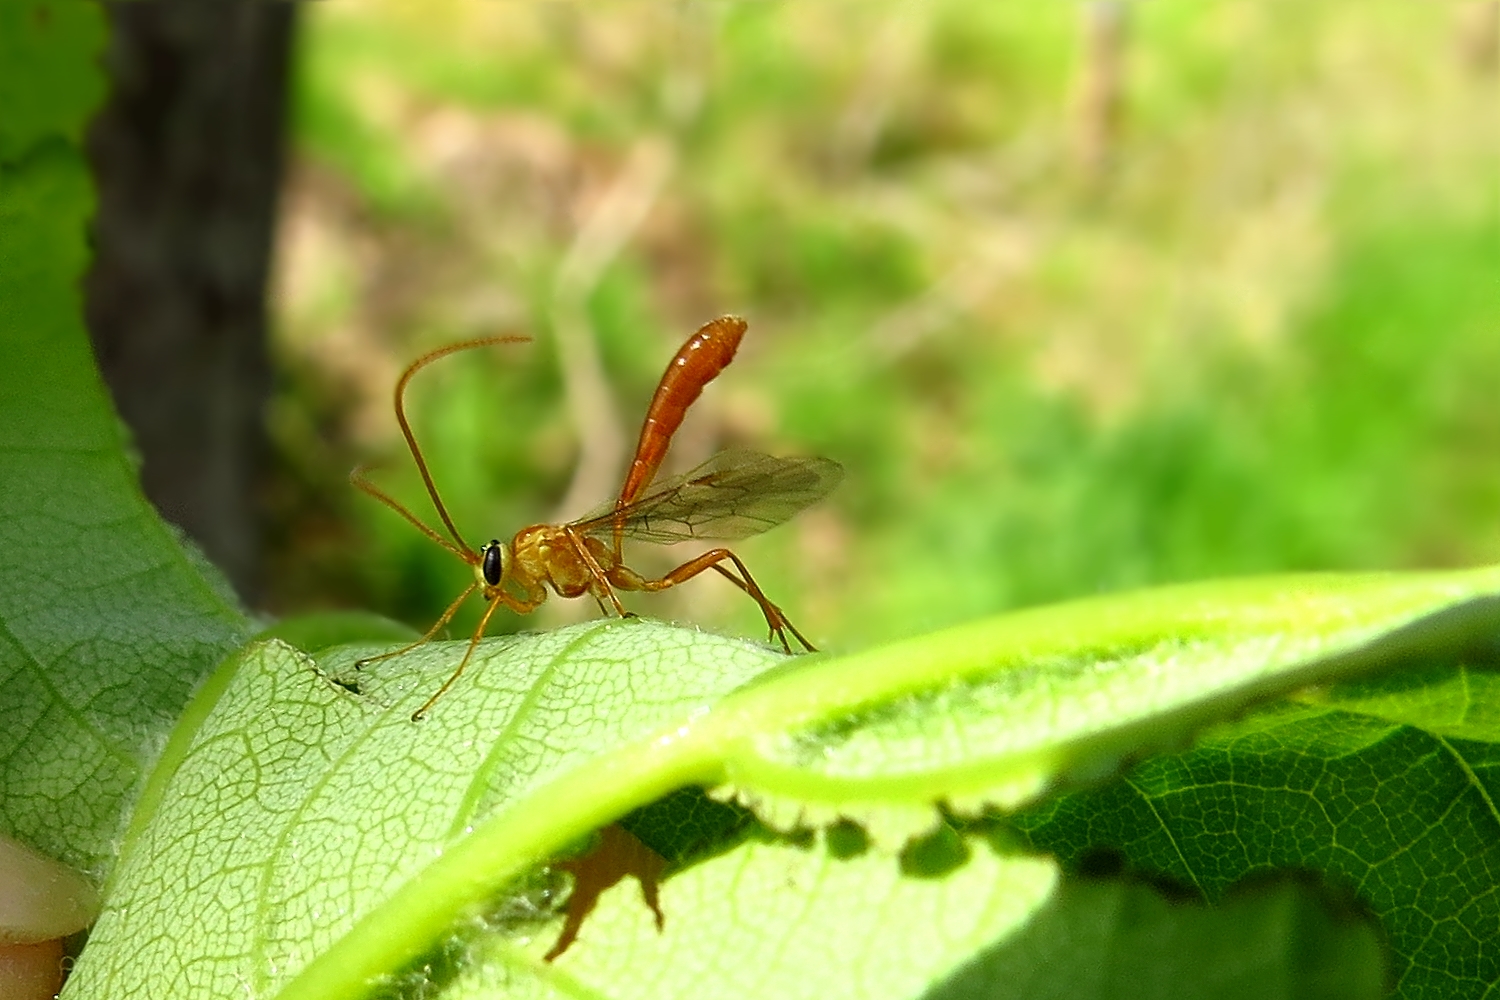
x=105, y=623
x=1370, y=786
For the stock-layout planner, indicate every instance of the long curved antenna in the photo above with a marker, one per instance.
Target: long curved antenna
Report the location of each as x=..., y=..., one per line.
x=411, y=440
x=362, y=482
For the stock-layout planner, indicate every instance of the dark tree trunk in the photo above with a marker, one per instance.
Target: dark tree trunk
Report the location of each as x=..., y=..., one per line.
x=188, y=159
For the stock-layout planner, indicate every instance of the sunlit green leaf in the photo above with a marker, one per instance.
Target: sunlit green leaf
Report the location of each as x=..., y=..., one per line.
x=296, y=814
x=311, y=838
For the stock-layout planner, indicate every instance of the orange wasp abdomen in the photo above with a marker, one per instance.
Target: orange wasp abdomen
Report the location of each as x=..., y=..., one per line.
x=697, y=363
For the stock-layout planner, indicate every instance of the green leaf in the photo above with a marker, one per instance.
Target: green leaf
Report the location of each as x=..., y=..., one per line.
x=297, y=816
x=306, y=840
x=996, y=712
x=776, y=919
x=782, y=920
x=1386, y=785
x=322, y=630
x=49, y=78
x=1113, y=938
x=105, y=622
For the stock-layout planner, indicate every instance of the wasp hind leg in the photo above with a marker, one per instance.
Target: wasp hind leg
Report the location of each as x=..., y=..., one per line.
x=779, y=624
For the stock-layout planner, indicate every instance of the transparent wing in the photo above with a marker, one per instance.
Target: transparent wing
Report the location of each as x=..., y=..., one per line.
x=733, y=495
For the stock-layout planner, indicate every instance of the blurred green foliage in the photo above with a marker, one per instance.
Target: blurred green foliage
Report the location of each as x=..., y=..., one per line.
x=1214, y=294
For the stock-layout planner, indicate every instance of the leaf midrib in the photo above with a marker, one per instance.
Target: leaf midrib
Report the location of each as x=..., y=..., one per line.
x=474, y=794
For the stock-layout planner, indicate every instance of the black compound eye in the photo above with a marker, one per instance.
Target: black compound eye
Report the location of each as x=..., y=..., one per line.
x=492, y=562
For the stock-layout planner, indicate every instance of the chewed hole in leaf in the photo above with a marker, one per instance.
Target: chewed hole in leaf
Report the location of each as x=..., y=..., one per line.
x=688, y=824
x=846, y=839
x=935, y=855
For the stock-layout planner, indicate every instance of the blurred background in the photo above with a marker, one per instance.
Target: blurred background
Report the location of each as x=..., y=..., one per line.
x=1083, y=295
